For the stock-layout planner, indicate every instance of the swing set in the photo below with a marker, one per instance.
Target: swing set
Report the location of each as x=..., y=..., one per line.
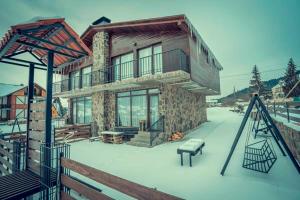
x=259, y=154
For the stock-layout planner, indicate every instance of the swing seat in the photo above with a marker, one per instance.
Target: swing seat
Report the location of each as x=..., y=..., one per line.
x=259, y=156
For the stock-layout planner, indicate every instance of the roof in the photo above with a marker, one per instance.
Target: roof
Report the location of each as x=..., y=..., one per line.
x=7, y=89
x=175, y=22
x=41, y=36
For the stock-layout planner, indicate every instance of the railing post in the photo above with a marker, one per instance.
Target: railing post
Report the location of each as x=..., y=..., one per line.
x=287, y=111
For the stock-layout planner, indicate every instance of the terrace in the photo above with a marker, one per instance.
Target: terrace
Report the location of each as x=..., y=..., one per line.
x=170, y=66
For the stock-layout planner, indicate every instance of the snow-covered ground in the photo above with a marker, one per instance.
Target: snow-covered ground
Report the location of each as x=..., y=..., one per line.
x=159, y=167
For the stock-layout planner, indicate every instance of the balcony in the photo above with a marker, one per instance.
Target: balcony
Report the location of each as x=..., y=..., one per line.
x=167, y=66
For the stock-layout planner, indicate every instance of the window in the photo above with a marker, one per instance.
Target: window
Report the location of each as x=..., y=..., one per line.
x=81, y=110
x=74, y=80
x=123, y=66
x=4, y=114
x=134, y=106
x=150, y=60
x=86, y=76
x=4, y=100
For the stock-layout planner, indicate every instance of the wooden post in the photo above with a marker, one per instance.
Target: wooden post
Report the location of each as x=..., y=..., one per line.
x=287, y=111
x=274, y=108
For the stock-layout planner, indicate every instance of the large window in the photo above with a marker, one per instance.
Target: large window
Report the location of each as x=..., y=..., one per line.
x=82, y=110
x=150, y=60
x=21, y=100
x=136, y=106
x=123, y=66
x=20, y=113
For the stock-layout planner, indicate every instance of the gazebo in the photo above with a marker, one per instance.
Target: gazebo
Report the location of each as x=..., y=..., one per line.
x=53, y=43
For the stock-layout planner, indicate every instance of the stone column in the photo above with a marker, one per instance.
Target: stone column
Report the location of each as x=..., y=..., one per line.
x=100, y=61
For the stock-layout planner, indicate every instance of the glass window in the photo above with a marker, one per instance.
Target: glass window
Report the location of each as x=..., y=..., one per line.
x=74, y=79
x=86, y=76
x=4, y=100
x=154, y=91
x=88, y=110
x=123, y=66
x=157, y=58
x=123, y=115
x=145, y=61
x=4, y=114
x=122, y=94
x=139, y=109
x=138, y=92
x=74, y=113
x=80, y=111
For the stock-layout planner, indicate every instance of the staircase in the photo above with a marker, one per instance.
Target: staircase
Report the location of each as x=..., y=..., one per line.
x=144, y=139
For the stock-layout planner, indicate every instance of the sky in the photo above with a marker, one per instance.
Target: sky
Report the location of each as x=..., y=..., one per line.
x=240, y=33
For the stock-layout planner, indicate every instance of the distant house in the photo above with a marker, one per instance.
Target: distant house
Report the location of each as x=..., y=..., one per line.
x=277, y=91
x=13, y=101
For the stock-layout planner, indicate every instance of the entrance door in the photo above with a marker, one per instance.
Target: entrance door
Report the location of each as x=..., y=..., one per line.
x=153, y=110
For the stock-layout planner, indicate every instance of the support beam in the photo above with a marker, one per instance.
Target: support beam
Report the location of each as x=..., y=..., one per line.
x=30, y=95
x=48, y=112
x=9, y=44
x=239, y=133
x=46, y=49
x=19, y=64
x=24, y=61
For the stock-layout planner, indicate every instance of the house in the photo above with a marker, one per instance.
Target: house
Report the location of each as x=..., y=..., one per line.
x=277, y=91
x=150, y=73
x=13, y=100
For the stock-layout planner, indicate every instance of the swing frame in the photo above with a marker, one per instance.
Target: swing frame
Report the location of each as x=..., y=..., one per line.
x=256, y=101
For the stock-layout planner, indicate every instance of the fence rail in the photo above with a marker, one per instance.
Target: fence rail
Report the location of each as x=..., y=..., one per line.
x=124, y=186
x=288, y=110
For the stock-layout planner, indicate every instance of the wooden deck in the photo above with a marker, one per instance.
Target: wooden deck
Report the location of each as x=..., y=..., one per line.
x=20, y=184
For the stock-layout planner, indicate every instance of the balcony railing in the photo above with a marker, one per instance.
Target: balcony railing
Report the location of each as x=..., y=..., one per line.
x=169, y=61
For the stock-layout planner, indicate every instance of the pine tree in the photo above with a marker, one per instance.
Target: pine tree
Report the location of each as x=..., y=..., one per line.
x=290, y=79
x=255, y=83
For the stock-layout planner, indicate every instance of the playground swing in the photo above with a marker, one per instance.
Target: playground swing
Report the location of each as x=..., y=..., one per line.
x=260, y=155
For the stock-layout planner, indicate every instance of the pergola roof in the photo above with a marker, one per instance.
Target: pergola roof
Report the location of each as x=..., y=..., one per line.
x=40, y=37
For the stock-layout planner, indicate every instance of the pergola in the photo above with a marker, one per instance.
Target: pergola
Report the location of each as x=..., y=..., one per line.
x=53, y=43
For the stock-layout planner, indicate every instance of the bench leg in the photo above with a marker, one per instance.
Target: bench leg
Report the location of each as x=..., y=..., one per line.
x=190, y=160
x=181, y=159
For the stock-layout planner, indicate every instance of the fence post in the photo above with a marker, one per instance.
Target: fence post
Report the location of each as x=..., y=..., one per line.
x=287, y=111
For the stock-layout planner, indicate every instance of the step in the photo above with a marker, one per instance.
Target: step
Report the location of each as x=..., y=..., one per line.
x=139, y=144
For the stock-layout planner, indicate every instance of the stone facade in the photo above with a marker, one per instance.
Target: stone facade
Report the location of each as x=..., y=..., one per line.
x=291, y=137
x=183, y=110
x=100, y=60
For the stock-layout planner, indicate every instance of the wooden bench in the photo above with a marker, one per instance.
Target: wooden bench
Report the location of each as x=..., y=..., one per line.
x=192, y=147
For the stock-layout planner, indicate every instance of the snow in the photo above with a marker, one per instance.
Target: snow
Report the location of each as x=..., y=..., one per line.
x=159, y=167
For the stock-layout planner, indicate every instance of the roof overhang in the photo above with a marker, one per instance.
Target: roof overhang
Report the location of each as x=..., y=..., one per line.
x=40, y=37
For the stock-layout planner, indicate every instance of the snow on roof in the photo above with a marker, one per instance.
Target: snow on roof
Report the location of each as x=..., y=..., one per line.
x=6, y=89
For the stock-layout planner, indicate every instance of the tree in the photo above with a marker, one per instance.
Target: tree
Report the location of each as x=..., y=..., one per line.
x=255, y=83
x=290, y=79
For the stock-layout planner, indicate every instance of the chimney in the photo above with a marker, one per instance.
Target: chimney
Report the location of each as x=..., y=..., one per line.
x=101, y=21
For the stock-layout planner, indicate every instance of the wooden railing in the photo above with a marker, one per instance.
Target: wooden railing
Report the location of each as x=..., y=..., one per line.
x=288, y=110
x=122, y=185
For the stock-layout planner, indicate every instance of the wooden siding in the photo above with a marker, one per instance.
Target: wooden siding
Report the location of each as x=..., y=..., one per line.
x=203, y=73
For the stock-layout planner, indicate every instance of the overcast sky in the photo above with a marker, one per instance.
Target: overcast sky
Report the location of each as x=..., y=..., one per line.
x=240, y=33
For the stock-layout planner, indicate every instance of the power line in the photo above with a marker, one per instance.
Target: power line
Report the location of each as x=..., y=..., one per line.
x=247, y=74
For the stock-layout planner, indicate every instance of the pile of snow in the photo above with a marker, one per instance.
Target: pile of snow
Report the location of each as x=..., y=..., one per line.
x=159, y=167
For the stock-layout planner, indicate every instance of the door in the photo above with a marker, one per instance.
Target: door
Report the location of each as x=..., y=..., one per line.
x=153, y=111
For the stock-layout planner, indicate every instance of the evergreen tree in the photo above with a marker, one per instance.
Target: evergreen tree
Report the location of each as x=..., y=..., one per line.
x=290, y=79
x=256, y=84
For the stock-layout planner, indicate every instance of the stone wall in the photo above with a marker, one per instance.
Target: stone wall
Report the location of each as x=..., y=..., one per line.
x=100, y=60
x=291, y=137
x=183, y=110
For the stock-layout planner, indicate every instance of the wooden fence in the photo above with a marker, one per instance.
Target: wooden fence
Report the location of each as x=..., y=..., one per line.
x=10, y=157
x=72, y=133
x=124, y=186
x=288, y=110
